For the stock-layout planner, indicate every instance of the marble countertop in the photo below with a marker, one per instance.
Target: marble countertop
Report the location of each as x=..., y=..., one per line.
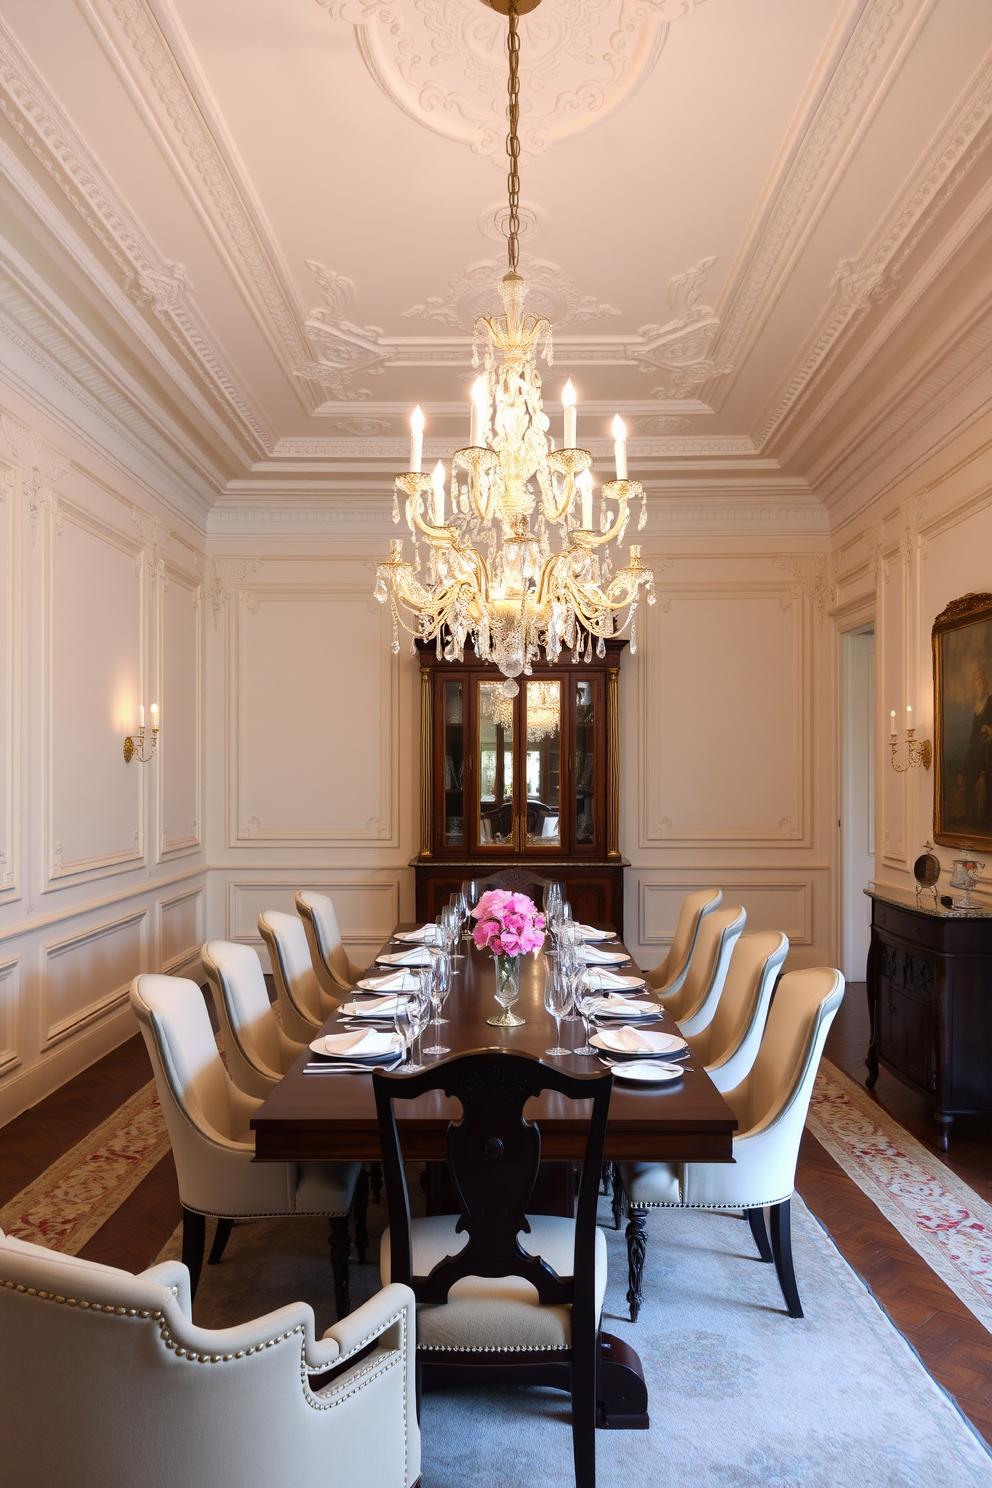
x=924, y=902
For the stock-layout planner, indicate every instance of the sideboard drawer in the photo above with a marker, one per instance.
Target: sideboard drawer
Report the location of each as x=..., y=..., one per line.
x=919, y=929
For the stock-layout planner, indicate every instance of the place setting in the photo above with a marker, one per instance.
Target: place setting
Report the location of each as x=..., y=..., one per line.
x=355, y=1052
x=641, y=1056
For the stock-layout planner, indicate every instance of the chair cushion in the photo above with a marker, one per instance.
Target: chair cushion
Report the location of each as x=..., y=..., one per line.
x=502, y=1314
x=325, y=1188
x=652, y=1183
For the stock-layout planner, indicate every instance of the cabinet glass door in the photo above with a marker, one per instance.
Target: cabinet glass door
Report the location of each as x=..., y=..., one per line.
x=542, y=755
x=586, y=804
x=497, y=818
x=454, y=764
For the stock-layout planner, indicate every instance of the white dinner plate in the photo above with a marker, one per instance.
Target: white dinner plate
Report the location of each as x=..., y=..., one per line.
x=589, y=932
x=426, y=935
x=390, y=981
x=602, y=980
x=634, y=1011
x=371, y=1045
x=418, y=956
x=655, y=1073
x=595, y=957
x=376, y=1007
x=658, y=1045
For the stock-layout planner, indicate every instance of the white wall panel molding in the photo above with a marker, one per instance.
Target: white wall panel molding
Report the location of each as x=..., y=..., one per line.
x=86, y=975
x=313, y=754
x=772, y=903
x=10, y=1015
x=179, y=670
x=10, y=690
x=180, y=929
x=95, y=645
x=64, y=914
x=367, y=908
x=726, y=759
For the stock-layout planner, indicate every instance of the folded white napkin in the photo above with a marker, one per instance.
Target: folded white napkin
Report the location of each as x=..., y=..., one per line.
x=416, y=957
x=379, y=1007
x=627, y=1040
x=390, y=981
x=589, y=932
x=607, y=980
x=596, y=957
x=426, y=935
x=624, y=1007
x=363, y=1044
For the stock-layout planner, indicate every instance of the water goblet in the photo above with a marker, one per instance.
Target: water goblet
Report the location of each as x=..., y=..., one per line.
x=586, y=998
x=417, y=1004
x=402, y=1023
x=557, y=995
x=440, y=982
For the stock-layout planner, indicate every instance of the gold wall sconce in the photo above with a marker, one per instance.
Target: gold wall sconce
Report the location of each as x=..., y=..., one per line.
x=134, y=744
x=919, y=752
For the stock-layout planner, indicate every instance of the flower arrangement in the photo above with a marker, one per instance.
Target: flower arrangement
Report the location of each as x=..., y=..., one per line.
x=507, y=924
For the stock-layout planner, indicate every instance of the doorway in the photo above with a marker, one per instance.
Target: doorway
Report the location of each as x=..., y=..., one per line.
x=857, y=796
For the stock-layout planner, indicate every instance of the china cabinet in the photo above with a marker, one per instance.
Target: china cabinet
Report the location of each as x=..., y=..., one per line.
x=526, y=786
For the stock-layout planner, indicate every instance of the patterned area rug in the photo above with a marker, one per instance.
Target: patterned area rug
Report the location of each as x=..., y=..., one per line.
x=741, y=1396
x=76, y=1195
x=943, y=1219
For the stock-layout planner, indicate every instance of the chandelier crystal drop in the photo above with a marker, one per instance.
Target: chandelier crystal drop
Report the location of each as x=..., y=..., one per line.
x=511, y=561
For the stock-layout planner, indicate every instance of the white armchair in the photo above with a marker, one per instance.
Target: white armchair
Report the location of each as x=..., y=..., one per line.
x=208, y=1119
x=303, y=1006
x=333, y=968
x=694, y=1005
x=729, y=1045
x=105, y=1382
x=258, y=1051
x=667, y=978
x=770, y=1106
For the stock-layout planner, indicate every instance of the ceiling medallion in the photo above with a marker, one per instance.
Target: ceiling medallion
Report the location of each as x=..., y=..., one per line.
x=441, y=61
x=488, y=576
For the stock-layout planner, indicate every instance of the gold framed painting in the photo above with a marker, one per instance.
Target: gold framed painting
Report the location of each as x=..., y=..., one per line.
x=962, y=678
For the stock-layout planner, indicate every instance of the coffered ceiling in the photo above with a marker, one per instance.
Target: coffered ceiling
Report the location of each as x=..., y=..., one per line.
x=254, y=234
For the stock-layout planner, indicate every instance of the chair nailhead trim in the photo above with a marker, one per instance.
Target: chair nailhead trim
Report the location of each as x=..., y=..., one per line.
x=514, y=1348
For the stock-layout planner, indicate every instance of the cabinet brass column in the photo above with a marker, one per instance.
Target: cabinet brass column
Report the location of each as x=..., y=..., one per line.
x=426, y=762
x=613, y=762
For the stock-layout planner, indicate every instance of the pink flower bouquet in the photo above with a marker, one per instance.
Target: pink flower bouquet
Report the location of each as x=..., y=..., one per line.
x=508, y=924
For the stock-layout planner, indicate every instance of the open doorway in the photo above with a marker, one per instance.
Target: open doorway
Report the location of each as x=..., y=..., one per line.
x=857, y=795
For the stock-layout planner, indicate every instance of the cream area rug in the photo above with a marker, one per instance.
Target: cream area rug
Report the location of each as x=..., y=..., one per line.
x=741, y=1396
x=68, y=1203
x=943, y=1219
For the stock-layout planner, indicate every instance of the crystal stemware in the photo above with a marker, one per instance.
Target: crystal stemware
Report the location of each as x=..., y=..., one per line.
x=557, y=995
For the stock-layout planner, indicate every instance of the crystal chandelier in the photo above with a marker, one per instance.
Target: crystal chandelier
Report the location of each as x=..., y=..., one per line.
x=484, y=566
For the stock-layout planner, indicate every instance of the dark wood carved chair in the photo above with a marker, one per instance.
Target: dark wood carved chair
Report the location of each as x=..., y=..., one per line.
x=502, y=1296
x=519, y=880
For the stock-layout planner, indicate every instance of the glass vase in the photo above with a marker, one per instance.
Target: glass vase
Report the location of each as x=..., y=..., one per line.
x=507, y=991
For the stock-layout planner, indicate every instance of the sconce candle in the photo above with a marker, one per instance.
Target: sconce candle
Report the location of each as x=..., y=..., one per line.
x=919, y=752
x=134, y=747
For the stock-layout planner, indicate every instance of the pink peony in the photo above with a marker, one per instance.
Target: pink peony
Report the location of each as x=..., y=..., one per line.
x=508, y=924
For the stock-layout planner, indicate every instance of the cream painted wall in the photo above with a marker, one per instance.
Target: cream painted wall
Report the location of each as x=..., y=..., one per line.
x=103, y=868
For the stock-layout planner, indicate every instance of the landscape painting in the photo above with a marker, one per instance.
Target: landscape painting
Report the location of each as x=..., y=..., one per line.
x=962, y=663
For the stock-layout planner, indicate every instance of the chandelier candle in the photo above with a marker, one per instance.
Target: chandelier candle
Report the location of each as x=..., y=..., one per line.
x=511, y=570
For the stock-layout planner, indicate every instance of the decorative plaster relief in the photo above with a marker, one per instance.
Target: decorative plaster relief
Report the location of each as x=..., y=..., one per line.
x=494, y=223
x=550, y=293
x=662, y=424
x=155, y=538
x=443, y=62
x=41, y=466
x=362, y=426
x=913, y=540
x=810, y=569
x=228, y=573
x=874, y=538
x=681, y=346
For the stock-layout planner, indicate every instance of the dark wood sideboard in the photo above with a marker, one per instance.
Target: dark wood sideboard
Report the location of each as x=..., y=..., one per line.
x=930, y=1002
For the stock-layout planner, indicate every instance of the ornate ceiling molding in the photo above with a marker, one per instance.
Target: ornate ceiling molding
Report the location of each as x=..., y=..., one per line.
x=679, y=348
x=304, y=447
x=493, y=223
x=662, y=424
x=41, y=465
x=148, y=279
x=550, y=292
x=443, y=62
x=873, y=276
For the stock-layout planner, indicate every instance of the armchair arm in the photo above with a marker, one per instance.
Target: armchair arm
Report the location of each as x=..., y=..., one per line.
x=175, y=1276
x=394, y=1304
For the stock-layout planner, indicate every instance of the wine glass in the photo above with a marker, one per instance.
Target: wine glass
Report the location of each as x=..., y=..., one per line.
x=557, y=995
x=586, y=1000
x=402, y=1023
x=416, y=1012
x=472, y=892
x=440, y=982
x=552, y=900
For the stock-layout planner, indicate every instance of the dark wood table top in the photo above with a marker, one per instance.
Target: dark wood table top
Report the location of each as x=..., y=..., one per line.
x=333, y=1116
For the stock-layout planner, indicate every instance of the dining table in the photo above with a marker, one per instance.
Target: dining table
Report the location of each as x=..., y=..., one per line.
x=332, y=1117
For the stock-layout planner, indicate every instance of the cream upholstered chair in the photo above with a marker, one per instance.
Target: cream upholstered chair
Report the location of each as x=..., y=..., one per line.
x=105, y=1382
x=258, y=1051
x=770, y=1106
x=333, y=968
x=208, y=1120
x=301, y=1002
x=695, y=1004
x=667, y=978
x=729, y=1045
x=502, y=1293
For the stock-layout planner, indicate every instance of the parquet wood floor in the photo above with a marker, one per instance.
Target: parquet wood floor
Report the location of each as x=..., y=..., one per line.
x=952, y=1344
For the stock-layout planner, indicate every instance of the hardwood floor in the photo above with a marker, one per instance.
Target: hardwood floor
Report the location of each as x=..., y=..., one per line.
x=952, y=1344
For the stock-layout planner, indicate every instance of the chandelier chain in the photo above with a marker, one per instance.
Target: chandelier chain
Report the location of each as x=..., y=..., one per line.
x=513, y=141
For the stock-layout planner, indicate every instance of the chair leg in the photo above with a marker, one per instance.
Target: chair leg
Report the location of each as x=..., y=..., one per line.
x=636, y=1247
x=340, y=1242
x=756, y=1219
x=194, y=1239
x=781, y=1226
x=375, y=1181
x=606, y=1179
x=619, y=1195
x=223, y=1234
x=584, y=1414
x=360, y=1209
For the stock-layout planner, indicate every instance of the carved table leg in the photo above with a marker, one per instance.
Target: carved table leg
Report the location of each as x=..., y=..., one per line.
x=636, y=1245
x=619, y=1195
x=944, y=1124
x=621, y=1394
